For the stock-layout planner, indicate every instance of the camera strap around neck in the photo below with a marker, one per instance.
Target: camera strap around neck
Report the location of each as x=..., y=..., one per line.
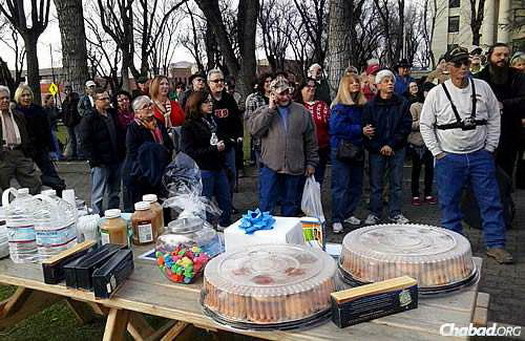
x=454, y=108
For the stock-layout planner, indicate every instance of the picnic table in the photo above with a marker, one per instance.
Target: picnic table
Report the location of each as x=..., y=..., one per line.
x=147, y=291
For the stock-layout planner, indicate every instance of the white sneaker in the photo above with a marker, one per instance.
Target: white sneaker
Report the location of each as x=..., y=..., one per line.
x=221, y=228
x=399, y=219
x=372, y=220
x=353, y=220
x=337, y=227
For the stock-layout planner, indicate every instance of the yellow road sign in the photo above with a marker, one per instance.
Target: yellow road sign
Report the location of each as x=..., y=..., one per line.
x=53, y=89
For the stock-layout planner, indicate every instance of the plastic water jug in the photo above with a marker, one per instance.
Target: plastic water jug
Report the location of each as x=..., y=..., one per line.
x=20, y=225
x=55, y=224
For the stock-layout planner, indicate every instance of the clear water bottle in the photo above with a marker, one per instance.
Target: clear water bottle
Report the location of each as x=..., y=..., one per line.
x=20, y=224
x=214, y=140
x=55, y=224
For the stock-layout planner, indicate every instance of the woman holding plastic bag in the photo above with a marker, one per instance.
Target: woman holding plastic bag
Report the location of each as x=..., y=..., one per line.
x=200, y=141
x=347, y=154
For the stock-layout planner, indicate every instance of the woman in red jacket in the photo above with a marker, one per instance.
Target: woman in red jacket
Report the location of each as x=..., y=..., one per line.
x=165, y=110
x=321, y=114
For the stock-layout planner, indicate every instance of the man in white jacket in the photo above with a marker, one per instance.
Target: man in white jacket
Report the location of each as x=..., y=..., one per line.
x=460, y=124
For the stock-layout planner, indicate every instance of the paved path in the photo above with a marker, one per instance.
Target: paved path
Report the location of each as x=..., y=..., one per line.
x=505, y=284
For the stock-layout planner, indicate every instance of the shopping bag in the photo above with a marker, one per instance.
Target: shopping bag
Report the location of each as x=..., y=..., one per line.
x=311, y=201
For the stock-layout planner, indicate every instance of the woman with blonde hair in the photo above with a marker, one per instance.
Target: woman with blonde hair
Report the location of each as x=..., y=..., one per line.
x=165, y=110
x=40, y=133
x=347, y=155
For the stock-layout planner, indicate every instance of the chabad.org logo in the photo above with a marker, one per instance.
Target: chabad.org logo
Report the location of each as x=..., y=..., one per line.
x=450, y=329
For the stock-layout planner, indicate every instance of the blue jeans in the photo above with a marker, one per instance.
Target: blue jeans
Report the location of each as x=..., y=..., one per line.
x=379, y=165
x=347, y=186
x=105, y=180
x=456, y=171
x=324, y=157
x=215, y=183
x=230, y=165
x=274, y=186
x=78, y=132
x=72, y=149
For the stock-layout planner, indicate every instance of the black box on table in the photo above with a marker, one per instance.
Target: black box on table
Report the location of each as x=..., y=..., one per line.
x=113, y=273
x=79, y=272
x=53, y=267
x=371, y=301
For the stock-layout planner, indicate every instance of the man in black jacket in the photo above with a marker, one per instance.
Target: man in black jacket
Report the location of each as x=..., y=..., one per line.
x=16, y=148
x=103, y=145
x=387, y=123
x=509, y=87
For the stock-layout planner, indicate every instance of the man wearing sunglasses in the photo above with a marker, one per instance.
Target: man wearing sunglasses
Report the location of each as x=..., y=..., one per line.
x=288, y=149
x=103, y=143
x=460, y=125
x=509, y=87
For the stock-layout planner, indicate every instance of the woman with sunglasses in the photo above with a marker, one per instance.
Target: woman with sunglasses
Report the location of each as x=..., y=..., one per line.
x=145, y=132
x=321, y=114
x=201, y=140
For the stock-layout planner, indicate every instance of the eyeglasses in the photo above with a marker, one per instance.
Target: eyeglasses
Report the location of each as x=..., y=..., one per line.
x=459, y=63
x=199, y=80
x=148, y=106
x=103, y=99
x=221, y=80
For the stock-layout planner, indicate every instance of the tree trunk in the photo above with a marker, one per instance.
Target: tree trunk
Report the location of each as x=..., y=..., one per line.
x=247, y=21
x=33, y=71
x=74, y=51
x=339, y=47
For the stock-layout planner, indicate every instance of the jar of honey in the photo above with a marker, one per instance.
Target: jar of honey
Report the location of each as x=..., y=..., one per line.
x=114, y=229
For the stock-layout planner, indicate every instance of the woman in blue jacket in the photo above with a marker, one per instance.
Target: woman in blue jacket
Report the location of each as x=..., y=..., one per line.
x=347, y=173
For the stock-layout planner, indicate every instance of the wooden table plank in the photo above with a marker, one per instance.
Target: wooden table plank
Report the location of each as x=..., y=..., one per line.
x=148, y=291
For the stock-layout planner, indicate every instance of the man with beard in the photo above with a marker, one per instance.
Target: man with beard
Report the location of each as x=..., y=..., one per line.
x=288, y=148
x=509, y=87
x=460, y=125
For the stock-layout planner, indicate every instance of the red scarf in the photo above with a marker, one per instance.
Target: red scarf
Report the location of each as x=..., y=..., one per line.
x=153, y=128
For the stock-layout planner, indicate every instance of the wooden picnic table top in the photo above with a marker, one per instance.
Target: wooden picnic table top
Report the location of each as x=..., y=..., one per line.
x=148, y=291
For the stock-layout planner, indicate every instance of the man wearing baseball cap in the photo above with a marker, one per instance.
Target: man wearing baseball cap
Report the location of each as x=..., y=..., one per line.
x=288, y=149
x=460, y=125
x=84, y=106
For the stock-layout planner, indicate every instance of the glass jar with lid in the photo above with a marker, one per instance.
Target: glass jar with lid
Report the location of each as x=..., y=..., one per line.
x=185, y=248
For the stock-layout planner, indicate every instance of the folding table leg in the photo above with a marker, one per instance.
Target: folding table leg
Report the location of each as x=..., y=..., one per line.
x=24, y=303
x=116, y=325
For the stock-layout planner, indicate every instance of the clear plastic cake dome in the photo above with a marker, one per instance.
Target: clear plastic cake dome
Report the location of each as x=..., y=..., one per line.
x=269, y=286
x=439, y=259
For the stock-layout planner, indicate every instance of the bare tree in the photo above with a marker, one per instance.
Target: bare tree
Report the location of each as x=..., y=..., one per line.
x=12, y=40
x=103, y=54
x=476, y=19
x=241, y=66
x=15, y=12
x=194, y=40
x=314, y=14
x=73, y=35
x=275, y=26
x=152, y=17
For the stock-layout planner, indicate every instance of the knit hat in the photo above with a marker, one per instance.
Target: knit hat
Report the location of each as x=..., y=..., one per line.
x=384, y=73
x=372, y=69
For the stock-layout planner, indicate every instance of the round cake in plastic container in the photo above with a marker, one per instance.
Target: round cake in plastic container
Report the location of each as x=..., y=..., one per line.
x=269, y=287
x=439, y=259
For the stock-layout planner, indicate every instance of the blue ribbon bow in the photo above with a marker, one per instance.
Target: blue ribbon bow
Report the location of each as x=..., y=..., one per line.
x=256, y=220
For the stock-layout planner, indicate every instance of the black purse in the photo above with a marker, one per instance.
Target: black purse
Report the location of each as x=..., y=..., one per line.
x=348, y=152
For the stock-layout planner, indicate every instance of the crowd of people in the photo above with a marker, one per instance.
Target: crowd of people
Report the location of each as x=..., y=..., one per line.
x=450, y=122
